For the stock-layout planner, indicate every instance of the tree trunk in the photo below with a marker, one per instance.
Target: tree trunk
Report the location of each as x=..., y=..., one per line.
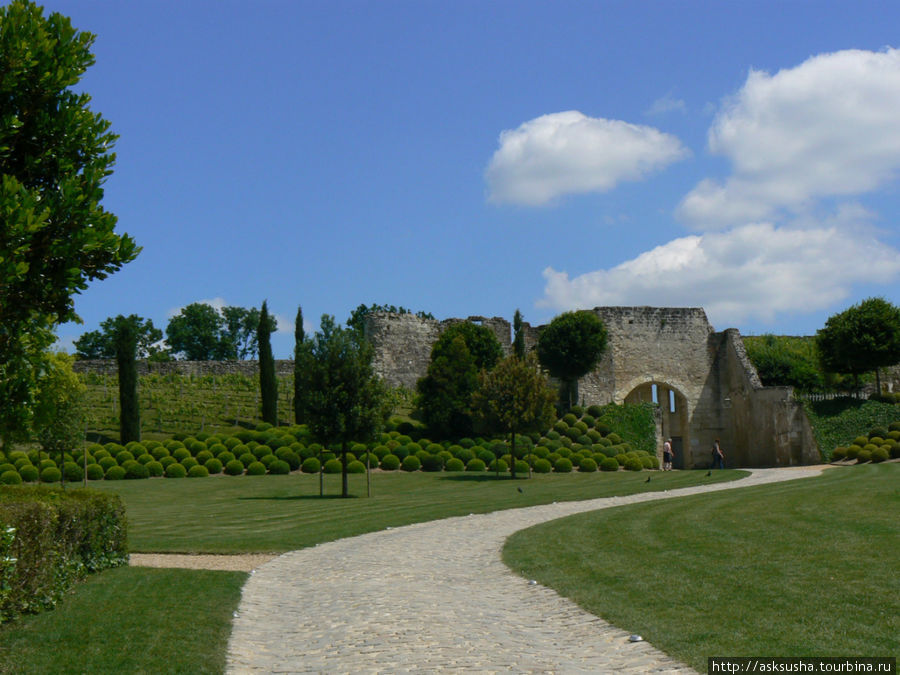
x=344, y=491
x=512, y=452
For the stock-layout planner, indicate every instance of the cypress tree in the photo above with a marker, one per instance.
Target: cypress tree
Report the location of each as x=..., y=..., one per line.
x=298, y=375
x=519, y=336
x=268, y=385
x=126, y=357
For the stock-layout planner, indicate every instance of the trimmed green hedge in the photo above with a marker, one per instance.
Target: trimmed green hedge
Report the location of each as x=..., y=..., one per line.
x=50, y=538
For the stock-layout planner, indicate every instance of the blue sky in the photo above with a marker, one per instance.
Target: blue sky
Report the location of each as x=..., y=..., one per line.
x=471, y=158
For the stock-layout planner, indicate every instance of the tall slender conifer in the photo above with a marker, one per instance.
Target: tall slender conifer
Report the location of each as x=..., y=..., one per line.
x=298, y=365
x=268, y=385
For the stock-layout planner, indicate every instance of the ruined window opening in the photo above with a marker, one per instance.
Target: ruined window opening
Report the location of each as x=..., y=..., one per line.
x=654, y=394
x=671, y=401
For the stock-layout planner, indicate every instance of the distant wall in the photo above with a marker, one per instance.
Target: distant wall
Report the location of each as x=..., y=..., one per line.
x=283, y=367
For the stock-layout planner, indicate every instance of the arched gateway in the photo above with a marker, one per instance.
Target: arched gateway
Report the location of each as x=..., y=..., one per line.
x=705, y=384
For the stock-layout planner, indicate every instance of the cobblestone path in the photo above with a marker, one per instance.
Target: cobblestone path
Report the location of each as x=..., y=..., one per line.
x=435, y=597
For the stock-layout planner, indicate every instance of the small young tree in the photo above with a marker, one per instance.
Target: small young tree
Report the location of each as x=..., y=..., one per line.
x=60, y=409
x=299, y=335
x=861, y=339
x=515, y=398
x=570, y=347
x=268, y=385
x=343, y=399
x=518, y=336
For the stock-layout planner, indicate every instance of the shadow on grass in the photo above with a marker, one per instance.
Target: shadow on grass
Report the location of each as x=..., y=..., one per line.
x=481, y=477
x=296, y=497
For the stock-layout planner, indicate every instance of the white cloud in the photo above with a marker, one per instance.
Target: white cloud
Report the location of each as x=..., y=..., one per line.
x=569, y=153
x=666, y=104
x=826, y=128
x=753, y=271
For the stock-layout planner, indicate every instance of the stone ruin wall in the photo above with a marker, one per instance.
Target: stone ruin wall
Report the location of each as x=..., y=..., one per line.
x=283, y=367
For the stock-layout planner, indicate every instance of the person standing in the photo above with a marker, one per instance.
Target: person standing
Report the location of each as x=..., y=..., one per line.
x=667, y=454
x=718, y=456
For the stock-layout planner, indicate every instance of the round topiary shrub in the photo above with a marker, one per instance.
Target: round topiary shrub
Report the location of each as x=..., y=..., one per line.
x=498, y=465
x=213, y=465
x=880, y=454
x=155, y=469
x=853, y=451
x=609, y=464
x=181, y=454
x=476, y=464
x=634, y=464
x=94, y=472
x=231, y=442
x=285, y=454
x=201, y=457
x=454, y=464
x=198, y=471
x=216, y=449
x=521, y=467
x=563, y=465
x=73, y=472
x=188, y=463
x=175, y=470
x=411, y=463
x=860, y=440
x=256, y=469
x=878, y=432
x=542, y=465
x=647, y=462
x=356, y=467
x=136, y=470
x=432, y=463
x=390, y=462
x=123, y=456
x=839, y=453
x=234, y=468
x=310, y=465
x=587, y=465
x=27, y=472
x=895, y=451
x=333, y=465
x=279, y=467
x=115, y=472
x=43, y=465
x=10, y=478
x=50, y=475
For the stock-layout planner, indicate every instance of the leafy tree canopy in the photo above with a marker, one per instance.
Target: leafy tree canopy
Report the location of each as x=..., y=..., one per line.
x=200, y=332
x=55, y=154
x=860, y=339
x=101, y=344
x=571, y=346
x=60, y=411
x=445, y=392
x=480, y=341
x=343, y=399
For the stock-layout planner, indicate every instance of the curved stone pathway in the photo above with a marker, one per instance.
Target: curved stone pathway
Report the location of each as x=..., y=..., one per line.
x=436, y=597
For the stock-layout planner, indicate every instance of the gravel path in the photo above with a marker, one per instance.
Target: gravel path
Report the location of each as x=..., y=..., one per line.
x=435, y=597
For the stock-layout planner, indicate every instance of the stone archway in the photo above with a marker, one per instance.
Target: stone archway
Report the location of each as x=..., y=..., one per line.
x=672, y=418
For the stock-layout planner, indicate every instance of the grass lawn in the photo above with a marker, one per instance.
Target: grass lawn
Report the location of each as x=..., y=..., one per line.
x=244, y=514
x=802, y=568
x=129, y=620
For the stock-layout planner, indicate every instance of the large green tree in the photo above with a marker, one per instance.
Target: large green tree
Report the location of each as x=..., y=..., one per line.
x=101, y=344
x=55, y=154
x=861, y=339
x=60, y=408
x=445, y=393
x=515, y=398
x=299, y=336
x=268, y=385
x=197, y=333
x=343, y=399
x=570, y=347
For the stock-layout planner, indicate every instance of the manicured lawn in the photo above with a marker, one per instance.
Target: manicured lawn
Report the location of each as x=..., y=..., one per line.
x=802, y=568
x=227, y=514
x=129, y=620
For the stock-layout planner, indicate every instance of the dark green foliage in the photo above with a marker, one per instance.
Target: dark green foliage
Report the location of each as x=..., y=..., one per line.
x=268, y=385
x=411, y=463
x=519, y=336
x=234, y=468
x=587, y=465
x=860, y=339
x=279, y=467
x=154, y=468
x=356, y=467
x=633, y=464
x=333, y=466
x=198, y=471
x=454, y=464
x=136, y=470
x=446, y=390
x=570, y=347
x=213, y=465
x=197, y=334
x=125, y=337
x=10, y=478
x=609, y=464
x=188, y=463
x=563, y=465
x=102, y=344
x=175, y=470
x=257, y=469
x=299, y=336
x=542, y=465
x=55, y=154
x=390, y=462
x=343, y=401
x=786, y=361
x=115, y=473
x=58, y=537
x=50, y=475
x=30, y=474
x=72, y=472
x=840, y=421
x=476, y=465
x=432, y=463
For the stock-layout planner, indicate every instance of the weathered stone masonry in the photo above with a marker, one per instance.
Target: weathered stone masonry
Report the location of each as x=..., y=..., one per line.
x=715, y=390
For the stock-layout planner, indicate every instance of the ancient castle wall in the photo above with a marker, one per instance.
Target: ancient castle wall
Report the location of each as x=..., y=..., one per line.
x=283, y=367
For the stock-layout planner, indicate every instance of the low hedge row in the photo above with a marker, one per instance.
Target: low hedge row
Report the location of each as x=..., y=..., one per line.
x=879, y=445
x=49, y=538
